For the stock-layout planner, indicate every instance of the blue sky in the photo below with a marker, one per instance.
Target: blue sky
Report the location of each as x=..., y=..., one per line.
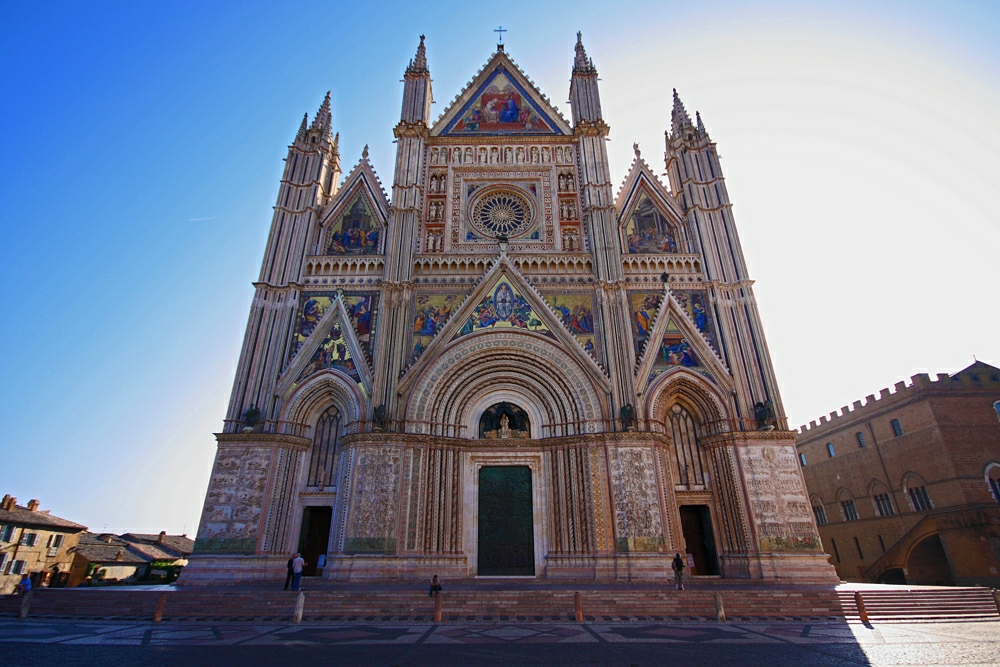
x=141, y=146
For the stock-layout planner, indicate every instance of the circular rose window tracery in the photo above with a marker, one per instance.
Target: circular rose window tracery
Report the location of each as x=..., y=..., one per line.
x=501, y=213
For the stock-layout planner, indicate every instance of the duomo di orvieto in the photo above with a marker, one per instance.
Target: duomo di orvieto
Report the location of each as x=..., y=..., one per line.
x=512, y=364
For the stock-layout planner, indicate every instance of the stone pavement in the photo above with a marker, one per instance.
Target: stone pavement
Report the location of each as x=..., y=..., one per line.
x=635, y=644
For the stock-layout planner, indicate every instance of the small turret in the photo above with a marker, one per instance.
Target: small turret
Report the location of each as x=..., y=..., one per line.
x=584, y=95
x=417, y=95
x=679, y=118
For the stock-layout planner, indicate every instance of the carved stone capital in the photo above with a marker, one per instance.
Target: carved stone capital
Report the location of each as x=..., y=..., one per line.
x=411, y=130
x=592, y=128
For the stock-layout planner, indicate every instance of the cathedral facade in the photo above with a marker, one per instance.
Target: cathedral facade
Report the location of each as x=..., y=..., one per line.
x=506, y=368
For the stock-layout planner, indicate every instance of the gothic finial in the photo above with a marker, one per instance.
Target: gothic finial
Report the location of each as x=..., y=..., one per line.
x=635, y=147
x=419, y=63
x=364, y=153
x=323, y=117
x=701, y=125
x=302, y=128
x=581, y=63
x=336, y=144
x=679, y=117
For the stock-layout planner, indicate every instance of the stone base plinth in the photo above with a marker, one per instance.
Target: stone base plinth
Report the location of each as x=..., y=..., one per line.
x=233, y=569
x=807, y=568
x=367, y=567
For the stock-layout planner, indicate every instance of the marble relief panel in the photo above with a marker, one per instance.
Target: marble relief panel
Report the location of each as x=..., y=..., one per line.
x=375, y=501
x=637, y=504
x=779, y=503
x=231, y=519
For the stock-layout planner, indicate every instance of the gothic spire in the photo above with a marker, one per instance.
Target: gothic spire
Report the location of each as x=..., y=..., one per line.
x=679, y=117
x=419, y=63
x=701, y=126
x=323, y=118
x=301, y=134
x=581, y=63
x=335, y=148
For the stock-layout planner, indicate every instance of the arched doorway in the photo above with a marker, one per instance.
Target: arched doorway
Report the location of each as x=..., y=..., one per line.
x=928, y=564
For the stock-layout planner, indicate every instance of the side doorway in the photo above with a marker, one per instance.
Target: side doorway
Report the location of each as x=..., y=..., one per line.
x=314, y=537
x=696, y=524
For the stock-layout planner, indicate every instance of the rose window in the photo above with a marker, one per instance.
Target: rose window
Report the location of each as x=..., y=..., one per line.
x=501, y=213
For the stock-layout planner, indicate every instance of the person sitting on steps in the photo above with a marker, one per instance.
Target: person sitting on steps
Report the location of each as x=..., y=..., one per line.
x=435, y=587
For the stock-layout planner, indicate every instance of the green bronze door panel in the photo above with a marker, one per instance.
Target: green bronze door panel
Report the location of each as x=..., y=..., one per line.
x=506, y=525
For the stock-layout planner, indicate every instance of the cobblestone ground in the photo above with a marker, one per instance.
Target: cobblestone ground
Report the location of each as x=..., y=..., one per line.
x=774, y=644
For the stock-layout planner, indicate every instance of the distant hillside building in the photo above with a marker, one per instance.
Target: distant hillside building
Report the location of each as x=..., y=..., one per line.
x=35, y=543
x=906, y=488
x=121, y=558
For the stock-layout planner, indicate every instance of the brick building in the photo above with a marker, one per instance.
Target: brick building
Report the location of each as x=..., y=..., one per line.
x=905, y=487
x=35, y=543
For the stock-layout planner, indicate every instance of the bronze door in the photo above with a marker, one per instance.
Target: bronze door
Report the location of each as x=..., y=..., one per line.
x=506, y=526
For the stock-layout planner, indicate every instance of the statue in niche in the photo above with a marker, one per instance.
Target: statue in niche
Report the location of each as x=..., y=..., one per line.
x=627, y=416
x=504, y=420
x=251, y=418
x=764, y=414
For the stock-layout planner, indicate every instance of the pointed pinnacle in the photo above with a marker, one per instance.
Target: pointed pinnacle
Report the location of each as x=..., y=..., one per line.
x=323, y=118
x=419, y=63
x=679, y=117
x=701, y=125
x=302, y=128
x=364, y=153
x=336, y=144
x=581, y=63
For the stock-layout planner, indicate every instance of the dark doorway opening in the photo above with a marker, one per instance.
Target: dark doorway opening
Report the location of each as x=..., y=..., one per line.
x=928, y=564
x=892, y=576
x=506, y=525
x=314, y=537
x=696, y=523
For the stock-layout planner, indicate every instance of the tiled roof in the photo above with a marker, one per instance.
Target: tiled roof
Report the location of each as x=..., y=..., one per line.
x=105, y=549
x=22, y=516
x=179, y=545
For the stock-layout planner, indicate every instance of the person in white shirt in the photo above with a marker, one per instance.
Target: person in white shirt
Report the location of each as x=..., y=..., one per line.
x=297, y=565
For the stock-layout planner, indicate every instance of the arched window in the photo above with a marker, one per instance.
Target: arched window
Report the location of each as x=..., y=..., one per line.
x=818, y=511
x=324, y=449
x=682, y=432
x=896, y=428
x=996, y=406
x=993, y=479
x=847, y=507
x=916, y=490
x=881, y=499
x=829, y=450
x=861, y=439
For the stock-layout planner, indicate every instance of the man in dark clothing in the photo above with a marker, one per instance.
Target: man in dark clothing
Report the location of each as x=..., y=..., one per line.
x=288, y=577
x=678, y=568
x=435, y=586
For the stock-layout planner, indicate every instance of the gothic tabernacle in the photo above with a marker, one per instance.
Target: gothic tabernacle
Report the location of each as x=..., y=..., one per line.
x=506, y=369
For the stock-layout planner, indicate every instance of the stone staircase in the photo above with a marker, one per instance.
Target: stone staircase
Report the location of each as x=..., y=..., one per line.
x=468, y=604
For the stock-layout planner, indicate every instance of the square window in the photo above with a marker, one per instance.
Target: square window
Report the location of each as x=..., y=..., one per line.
x=861, y=439
x=6, y=533
x=897, y=429
x=802, y=459
x=18, y=567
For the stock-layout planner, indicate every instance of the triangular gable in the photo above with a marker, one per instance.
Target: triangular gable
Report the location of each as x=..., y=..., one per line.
x=332, y=344
x=362, y=310
x=675, y=342
x=354, y=222
x=501, y=101
x=504, y=300
x=648, y=217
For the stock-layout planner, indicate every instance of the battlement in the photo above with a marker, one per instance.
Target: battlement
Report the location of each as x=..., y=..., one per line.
x=919, y=383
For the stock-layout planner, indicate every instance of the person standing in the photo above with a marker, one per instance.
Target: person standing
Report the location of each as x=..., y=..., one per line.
x=297, y=565
x=678, y=568
x=288, y=576
x=24, y=586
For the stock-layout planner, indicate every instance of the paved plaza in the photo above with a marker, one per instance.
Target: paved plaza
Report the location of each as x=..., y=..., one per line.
x=43, y=642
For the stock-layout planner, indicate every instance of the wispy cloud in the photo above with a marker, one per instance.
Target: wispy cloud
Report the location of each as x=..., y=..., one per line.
x=214, y=217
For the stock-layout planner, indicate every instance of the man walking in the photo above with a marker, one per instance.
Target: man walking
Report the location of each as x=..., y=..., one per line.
x=297, y=564
x=288, y=577
x=678, y=568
